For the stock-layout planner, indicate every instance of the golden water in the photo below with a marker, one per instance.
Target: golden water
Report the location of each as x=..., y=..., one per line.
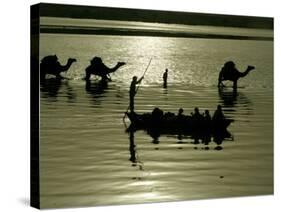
x=85, y=152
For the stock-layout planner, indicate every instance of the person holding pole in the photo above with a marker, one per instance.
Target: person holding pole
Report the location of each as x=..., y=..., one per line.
x=133, y=91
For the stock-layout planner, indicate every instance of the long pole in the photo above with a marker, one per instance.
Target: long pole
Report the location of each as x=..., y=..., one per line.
x=137, y=88
x=143, y=74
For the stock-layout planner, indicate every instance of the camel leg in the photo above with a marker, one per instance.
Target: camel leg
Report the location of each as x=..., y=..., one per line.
x=105, y=78
x=220, y=84
x=235, y=84
x=108, y=77
x=59, y=77
x=88, y=75
x=220, y=80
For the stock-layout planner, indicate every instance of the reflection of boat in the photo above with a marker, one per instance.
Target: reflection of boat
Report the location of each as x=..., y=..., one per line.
x=183, y=127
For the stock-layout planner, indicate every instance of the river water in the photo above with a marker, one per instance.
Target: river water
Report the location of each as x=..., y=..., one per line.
x=85, y=152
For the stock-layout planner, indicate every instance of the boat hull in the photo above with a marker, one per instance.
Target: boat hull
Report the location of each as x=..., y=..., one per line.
x=174, y=125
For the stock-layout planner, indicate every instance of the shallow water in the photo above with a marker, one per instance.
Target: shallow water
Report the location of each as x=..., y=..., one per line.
x=85, y=152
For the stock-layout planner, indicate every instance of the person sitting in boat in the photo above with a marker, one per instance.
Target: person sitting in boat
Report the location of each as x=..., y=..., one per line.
x=218, y=115
x=180, y=116
x=196, y=115
x=169, y=115
x=157, y=114
x=207, y=116
x=180, y=113
x=207, y=119
x=134, y=82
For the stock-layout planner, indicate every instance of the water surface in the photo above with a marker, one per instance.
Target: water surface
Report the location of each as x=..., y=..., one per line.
x=86, y=156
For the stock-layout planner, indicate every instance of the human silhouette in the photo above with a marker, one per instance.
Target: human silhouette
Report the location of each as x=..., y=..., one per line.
x=97, y=67
x=180, y=117
x=51, y=65
x=197, y=123
x=229, y=72
x=207, y=127
x=196, y=115
x=180, y=112
x=157, y=114
x=180, y=122
x=207, y=116
x=132, y=91
x=218, y=115
x=165, y=78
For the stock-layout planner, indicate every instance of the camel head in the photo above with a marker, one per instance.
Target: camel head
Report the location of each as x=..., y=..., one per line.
x=249, y=68
x=71, y=60
x=119, y=64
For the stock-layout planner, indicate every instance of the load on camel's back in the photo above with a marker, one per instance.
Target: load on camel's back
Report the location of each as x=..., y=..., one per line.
x=98, y=68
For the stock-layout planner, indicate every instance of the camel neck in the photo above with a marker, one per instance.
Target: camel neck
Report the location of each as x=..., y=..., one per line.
x=67, y=66
x=245, y=73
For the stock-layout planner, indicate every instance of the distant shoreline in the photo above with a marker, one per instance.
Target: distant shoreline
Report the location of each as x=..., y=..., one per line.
x=56, y=29
x=153, y=16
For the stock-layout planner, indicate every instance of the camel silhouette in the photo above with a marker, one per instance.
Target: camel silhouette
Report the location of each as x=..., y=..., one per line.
x=51, y=65
x=98, y=68
x=229, y=72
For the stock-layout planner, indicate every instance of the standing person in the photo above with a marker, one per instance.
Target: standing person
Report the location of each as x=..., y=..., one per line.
x=165, y=77
x=134, y=82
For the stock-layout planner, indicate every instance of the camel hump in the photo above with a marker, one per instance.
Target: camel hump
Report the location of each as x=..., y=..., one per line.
x=51, y=59
x=96, y=61
x=229, y=65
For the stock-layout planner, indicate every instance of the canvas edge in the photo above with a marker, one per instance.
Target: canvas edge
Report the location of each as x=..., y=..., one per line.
x=34, y=106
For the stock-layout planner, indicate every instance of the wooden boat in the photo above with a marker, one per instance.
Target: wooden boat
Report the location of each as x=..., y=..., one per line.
x=169, y=123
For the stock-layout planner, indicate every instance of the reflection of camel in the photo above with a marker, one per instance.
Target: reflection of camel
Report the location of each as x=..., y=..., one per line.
x=232, y=98
x=229, y=72
x=98, y=68
x=228, y=97
x=96, y=89
x=51, y=88
x=51, y=65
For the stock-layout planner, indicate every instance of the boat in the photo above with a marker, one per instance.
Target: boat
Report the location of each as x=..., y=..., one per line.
x=170, y=123
x=169, y=120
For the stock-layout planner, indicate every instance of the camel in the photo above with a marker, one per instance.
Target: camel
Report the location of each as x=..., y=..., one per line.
x=229, y=72
x=51, y=65
x=98, y=68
